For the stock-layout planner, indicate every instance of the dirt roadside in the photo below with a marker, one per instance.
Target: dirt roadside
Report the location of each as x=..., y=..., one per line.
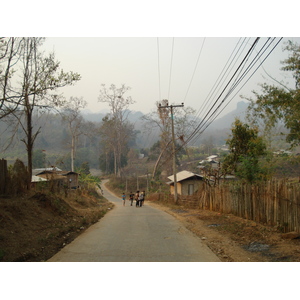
x=34, y=227
x=234, y=239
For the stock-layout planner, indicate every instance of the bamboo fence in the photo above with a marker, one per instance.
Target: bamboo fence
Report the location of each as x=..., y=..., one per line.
x=274, y=203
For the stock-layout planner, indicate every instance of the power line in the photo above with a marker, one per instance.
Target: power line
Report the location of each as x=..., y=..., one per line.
x=239, y=75
x=245, y=81
x=221, y=76
x=159, y=88
x=171, y=68
x=213, y=116
x=194, y=70
x=232, y=77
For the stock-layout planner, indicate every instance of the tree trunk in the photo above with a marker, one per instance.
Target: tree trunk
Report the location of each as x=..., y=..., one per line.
x=115, y=162
x=72, y=153
x=159, y=158
x=29, y=144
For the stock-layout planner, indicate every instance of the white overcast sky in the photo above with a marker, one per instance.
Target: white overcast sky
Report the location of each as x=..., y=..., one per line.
x=147, y=63
x=115, y=42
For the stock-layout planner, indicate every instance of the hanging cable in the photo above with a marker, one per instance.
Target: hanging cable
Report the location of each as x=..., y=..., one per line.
x=223, y=75
x=245, y=82
x=159, y=88
x=238, y=76
x=194, y=71
x=214, y=115
x=171, y=69
x=221, y=78
x=232, y=77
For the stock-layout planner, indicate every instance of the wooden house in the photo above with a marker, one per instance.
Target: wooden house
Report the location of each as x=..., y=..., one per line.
x=61, y=178
x=187, y=183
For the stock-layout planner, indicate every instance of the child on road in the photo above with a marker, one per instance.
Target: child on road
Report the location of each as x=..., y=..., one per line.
x=137, y=196
x=123, y=198
x=131, y=195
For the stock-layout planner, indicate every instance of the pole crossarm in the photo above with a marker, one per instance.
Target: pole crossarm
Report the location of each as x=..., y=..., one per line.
x=170, y=106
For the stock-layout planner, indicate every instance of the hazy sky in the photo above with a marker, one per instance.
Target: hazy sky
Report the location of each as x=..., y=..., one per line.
x=158, y=68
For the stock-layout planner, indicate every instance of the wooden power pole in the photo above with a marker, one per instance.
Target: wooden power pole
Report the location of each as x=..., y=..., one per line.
x=174, y=146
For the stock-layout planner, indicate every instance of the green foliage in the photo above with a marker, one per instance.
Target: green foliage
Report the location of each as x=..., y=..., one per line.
x=245, y=147
x=280, y=104
x=87, y=181
x=250, y=170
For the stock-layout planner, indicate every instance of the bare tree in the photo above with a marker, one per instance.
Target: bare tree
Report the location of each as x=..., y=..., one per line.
x=9, y=57
x=120, y=129
x=72, y=116
x=40, y=78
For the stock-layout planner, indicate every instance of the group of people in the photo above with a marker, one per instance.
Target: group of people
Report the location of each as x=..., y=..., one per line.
x=139, y=197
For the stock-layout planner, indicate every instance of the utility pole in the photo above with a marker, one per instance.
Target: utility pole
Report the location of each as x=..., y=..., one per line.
x=174, y=146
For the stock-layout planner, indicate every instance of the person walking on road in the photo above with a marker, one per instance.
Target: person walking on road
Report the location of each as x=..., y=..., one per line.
x=137, y=198
x=123, y=199
x=131, y=195
x=143, y=198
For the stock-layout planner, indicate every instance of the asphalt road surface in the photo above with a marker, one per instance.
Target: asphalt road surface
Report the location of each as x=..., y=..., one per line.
x=131, y=234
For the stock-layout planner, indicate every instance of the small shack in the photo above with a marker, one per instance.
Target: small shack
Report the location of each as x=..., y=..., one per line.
x=187, y=183
x=53, y=176
x=72, y=179
x=61, y=178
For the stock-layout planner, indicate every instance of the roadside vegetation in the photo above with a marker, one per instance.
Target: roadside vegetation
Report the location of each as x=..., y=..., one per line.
x=36, y=224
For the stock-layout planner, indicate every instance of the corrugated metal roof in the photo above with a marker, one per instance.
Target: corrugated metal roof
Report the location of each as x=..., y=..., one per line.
x=37, y=179
x=37, y=171
x=183, y=175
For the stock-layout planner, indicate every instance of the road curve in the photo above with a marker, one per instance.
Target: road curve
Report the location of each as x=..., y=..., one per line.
x=131, y=234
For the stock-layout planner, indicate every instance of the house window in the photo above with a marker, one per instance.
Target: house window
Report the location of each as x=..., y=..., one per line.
x=191, y=189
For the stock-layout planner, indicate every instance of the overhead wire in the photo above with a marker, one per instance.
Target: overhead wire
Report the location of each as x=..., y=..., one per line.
x=189, y=86
x=237, y=80
x=228, y=64
x=204, y=124
x=159, y=87
x=231, y=62
x=221, y=78
x=216, y=115
x=238, y=76
x=254, y=61
x=207, y=121
x=234, y=84
x=216, y=101
x=171, y=68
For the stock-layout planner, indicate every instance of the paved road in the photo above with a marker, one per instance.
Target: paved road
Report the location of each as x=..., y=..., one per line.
x=130, y=234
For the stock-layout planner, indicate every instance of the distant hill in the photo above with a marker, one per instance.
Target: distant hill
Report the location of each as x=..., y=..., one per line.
x=227, y=120
x=133, y=116
x=219, y=129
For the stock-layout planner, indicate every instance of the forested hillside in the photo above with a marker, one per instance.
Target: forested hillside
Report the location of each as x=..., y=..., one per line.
x=53, y=144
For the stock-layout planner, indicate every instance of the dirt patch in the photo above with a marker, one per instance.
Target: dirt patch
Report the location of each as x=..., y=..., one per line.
x=36, y=226
x=234, y=239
